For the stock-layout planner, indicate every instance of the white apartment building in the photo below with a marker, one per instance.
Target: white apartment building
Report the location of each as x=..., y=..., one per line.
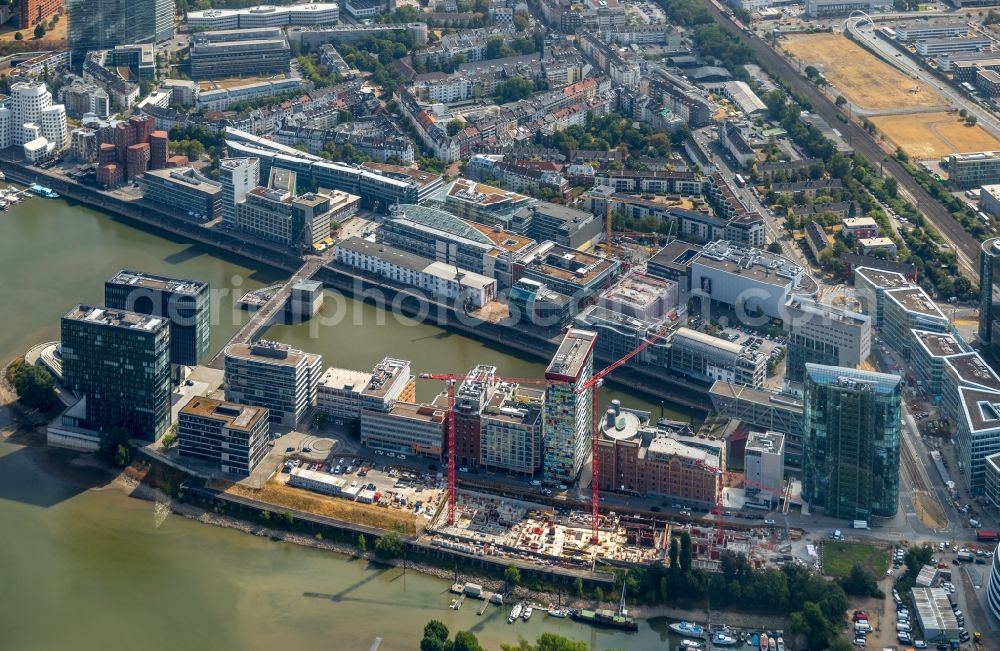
x=238, y=176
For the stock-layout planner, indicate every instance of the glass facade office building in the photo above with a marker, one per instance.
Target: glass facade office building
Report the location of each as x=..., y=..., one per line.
x=103, y=24
x=184, y=303
x=852, y=438
x=121, y=362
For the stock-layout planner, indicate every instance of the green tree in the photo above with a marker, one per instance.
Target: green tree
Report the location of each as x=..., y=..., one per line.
x=548, y=642
x=34, y=385
x=578, y=587
x=685, y=551
x=168, y=440
x=963, y=112
x=512, y=575
x=115, y=446
x=435, y=637
x=514, y=89
x=362, y=543
x=860, y=583
x=18, y=36
x=455, y=126
x=598, y=594
x=465, y=641
x=389, y=545
x=674, y=553
x=39, y=30
x=971, y=121
x=774, y=247
x=841, y=100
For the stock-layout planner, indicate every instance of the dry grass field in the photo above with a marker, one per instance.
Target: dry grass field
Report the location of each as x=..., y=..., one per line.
x=282, y=496
x=858, y=75
x=933, y=135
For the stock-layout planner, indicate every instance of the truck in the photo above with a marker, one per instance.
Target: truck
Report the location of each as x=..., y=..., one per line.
x=860, y=524
x=966, y=556
x=988, y=535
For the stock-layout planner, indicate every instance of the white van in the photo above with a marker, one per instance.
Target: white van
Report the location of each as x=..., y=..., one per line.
x=903, y=628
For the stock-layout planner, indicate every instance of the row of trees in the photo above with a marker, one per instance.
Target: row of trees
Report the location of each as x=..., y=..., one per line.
x=34, y=385
x=436, y=638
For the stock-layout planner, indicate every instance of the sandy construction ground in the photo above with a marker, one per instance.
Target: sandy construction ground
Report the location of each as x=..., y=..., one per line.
x=934, y=134
x=858, y=75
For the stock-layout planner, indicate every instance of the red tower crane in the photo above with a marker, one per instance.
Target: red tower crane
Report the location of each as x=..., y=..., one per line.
x=594, y=382
x=450, y=379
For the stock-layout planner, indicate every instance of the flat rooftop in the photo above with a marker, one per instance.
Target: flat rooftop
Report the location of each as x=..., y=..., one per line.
x=938, y=344
x=662, y=446
x=421, y=178
x=422, y=413
x=676, y=255
x=749, y=262
x=502, y=239
x=159, y=283
x=916, y=300
x=829, y=312
x=973, y=370
x=883, y=279
x=344, y=379
x=566, y=264
x=773, y=442
x=235, y=416
x=638, y=289
x=385, y=375
x=270, y=352
x=482, y=194
x=728, y=390
x=116, y=318
x=573, y=353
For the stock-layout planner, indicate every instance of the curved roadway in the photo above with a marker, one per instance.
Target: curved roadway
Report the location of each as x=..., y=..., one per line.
x=966, y=246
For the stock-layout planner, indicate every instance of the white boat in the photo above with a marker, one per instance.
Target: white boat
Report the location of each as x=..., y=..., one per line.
x=720, y=638
x=515, y=612
x=690, y=644
x=781, y=644
x=687, y=628
x=558, y=612
x=2, y=176
x=527, y=613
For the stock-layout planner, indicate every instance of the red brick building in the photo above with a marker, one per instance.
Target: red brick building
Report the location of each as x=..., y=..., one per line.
x=158, y=143
x=138, y=160
x=642, y=461
x=31, y=12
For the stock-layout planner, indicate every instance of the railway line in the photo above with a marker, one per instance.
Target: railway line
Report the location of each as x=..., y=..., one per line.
x=966, y=246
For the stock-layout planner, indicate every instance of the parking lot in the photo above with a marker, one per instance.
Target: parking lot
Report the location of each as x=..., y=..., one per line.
x=393, y=486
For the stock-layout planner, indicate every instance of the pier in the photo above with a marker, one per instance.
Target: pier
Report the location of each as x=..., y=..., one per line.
x=265, y=315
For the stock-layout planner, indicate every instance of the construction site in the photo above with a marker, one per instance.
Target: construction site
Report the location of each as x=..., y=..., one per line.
x=521, y=531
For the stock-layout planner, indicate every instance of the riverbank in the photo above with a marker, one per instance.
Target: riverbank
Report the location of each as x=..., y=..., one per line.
x=84, y=472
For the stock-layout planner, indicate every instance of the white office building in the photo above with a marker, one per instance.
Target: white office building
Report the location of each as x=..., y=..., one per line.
x=764, y=465
x=273, y=375
x=28, y=99
x=53, y=123
x=238, y=177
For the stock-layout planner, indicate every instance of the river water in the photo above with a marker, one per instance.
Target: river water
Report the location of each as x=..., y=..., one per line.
x=84, y=567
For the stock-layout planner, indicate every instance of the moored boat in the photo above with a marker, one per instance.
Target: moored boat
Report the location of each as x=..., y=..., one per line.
x=687, y=628
x=42, y=191
x=763, y=642
x=558, y=612
x=691, y=644
x=605, y=618
x=755, y=639
x=781, y=644
x=527, y=612
x=772, y=644
x=720, y=638
x=515, y=612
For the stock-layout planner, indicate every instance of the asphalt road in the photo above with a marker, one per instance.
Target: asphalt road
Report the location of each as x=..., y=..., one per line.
x=966, y=245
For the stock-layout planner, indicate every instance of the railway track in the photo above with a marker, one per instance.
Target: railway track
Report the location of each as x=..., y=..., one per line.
x=965, y=245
